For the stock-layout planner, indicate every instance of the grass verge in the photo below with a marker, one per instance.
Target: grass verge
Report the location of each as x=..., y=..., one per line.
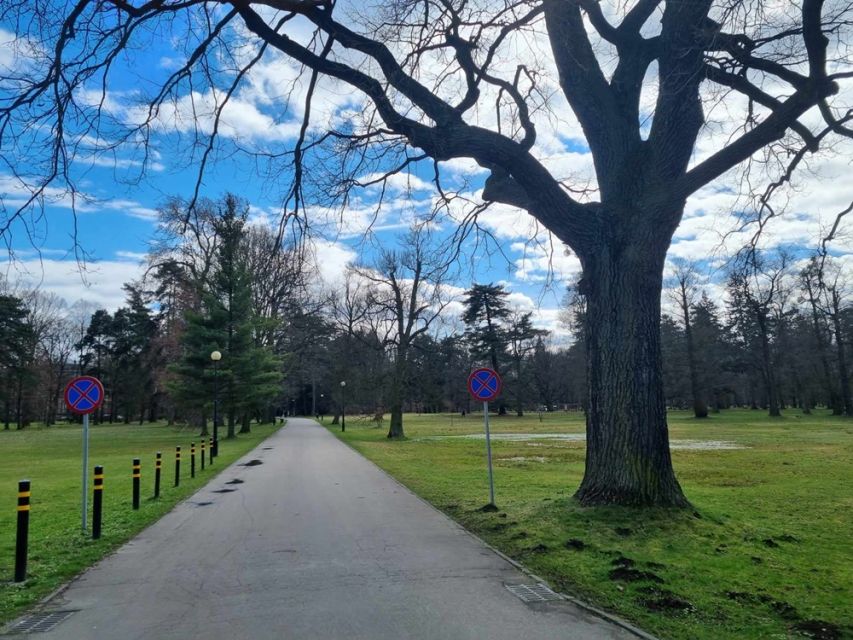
x=765, y=553
x=51, y=459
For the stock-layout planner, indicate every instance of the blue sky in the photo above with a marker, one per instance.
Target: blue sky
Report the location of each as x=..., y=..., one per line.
x=264, y=114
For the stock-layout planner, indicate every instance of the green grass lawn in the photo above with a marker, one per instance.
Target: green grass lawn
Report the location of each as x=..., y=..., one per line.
x=51, y=460
x=766, y=553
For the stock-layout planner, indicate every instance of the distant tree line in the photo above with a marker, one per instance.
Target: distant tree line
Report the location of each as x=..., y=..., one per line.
x=779, y=339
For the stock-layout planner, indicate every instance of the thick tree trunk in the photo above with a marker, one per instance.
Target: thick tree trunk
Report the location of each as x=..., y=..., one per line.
x=245, y=426
x=627, y=456
x=395, y=429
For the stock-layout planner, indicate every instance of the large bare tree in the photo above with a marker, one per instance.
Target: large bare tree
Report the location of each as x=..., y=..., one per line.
x=450, y=79
x=407, y=295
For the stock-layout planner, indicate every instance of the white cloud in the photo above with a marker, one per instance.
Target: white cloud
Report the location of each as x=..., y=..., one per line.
x=132, y=255
x=101, y=281
x=330, y=260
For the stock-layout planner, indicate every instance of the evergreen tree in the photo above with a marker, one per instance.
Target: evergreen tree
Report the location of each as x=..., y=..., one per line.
x=485, y=312
x=248, y=374
x=95, y=348
x=16, y=337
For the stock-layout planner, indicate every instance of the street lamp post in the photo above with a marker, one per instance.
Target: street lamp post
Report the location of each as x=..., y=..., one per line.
x=343, y=406
x=320, y=408
x=216, y=356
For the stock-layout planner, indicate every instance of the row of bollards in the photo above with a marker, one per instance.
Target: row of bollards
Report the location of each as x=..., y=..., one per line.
x=24, y=492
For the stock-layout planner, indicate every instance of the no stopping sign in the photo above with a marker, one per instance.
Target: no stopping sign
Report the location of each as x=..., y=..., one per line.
x=484, y=384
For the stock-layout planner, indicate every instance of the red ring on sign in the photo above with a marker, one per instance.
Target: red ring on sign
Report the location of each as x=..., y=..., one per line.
x=474, y=379
x=72, y=386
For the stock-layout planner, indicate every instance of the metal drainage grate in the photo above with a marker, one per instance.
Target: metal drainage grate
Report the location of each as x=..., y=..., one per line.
x=533, y=592
x=39, y=622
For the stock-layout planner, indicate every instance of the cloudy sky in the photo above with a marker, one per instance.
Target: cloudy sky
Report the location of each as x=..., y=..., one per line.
x=121, y=182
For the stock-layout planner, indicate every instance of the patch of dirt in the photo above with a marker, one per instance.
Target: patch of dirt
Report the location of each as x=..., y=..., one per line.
x=574, y=543
x=744, y=597
x=626, y=574
x=235, y=481
x=622, y=561
x=488, y=508
x=667, y=604
x=663, y=601
x=623, y=531
x=784, y=610
x=818, y=629
x=771, y=543
x=539, y=548
x=224, y=490
x=252, y=463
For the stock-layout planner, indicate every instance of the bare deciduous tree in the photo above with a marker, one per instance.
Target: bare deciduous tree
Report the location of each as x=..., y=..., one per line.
x=407, y=296
x=685, y=294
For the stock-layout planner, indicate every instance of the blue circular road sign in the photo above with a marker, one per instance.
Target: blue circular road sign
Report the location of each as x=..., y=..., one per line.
x=484, y=384
x=84, y=394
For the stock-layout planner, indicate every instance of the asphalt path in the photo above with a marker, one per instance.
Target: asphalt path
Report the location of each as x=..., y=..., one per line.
x=316, y=543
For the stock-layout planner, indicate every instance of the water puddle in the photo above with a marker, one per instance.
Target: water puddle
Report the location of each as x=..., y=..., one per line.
x=675, y=445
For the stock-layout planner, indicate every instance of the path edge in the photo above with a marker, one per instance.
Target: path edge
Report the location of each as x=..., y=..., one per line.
x=44, y=603
x=601, y=613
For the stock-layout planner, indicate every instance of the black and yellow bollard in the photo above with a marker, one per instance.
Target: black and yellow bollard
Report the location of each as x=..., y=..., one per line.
x=202, y=454
x=97, y=502
x=192, y=459
x=177, y=466
x=23, y=531
x=211, y=450
x=137, y=474
x=157, y=464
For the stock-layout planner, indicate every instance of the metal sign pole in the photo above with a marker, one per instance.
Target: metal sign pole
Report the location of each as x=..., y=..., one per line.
x=85, y=468
x=489, y=453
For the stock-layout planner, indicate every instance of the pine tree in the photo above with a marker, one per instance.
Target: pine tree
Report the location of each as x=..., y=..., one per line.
x=248, y=374
x=16, y=337
x=485, y=312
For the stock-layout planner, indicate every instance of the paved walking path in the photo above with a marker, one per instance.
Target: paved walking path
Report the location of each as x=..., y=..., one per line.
x=317, y=543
